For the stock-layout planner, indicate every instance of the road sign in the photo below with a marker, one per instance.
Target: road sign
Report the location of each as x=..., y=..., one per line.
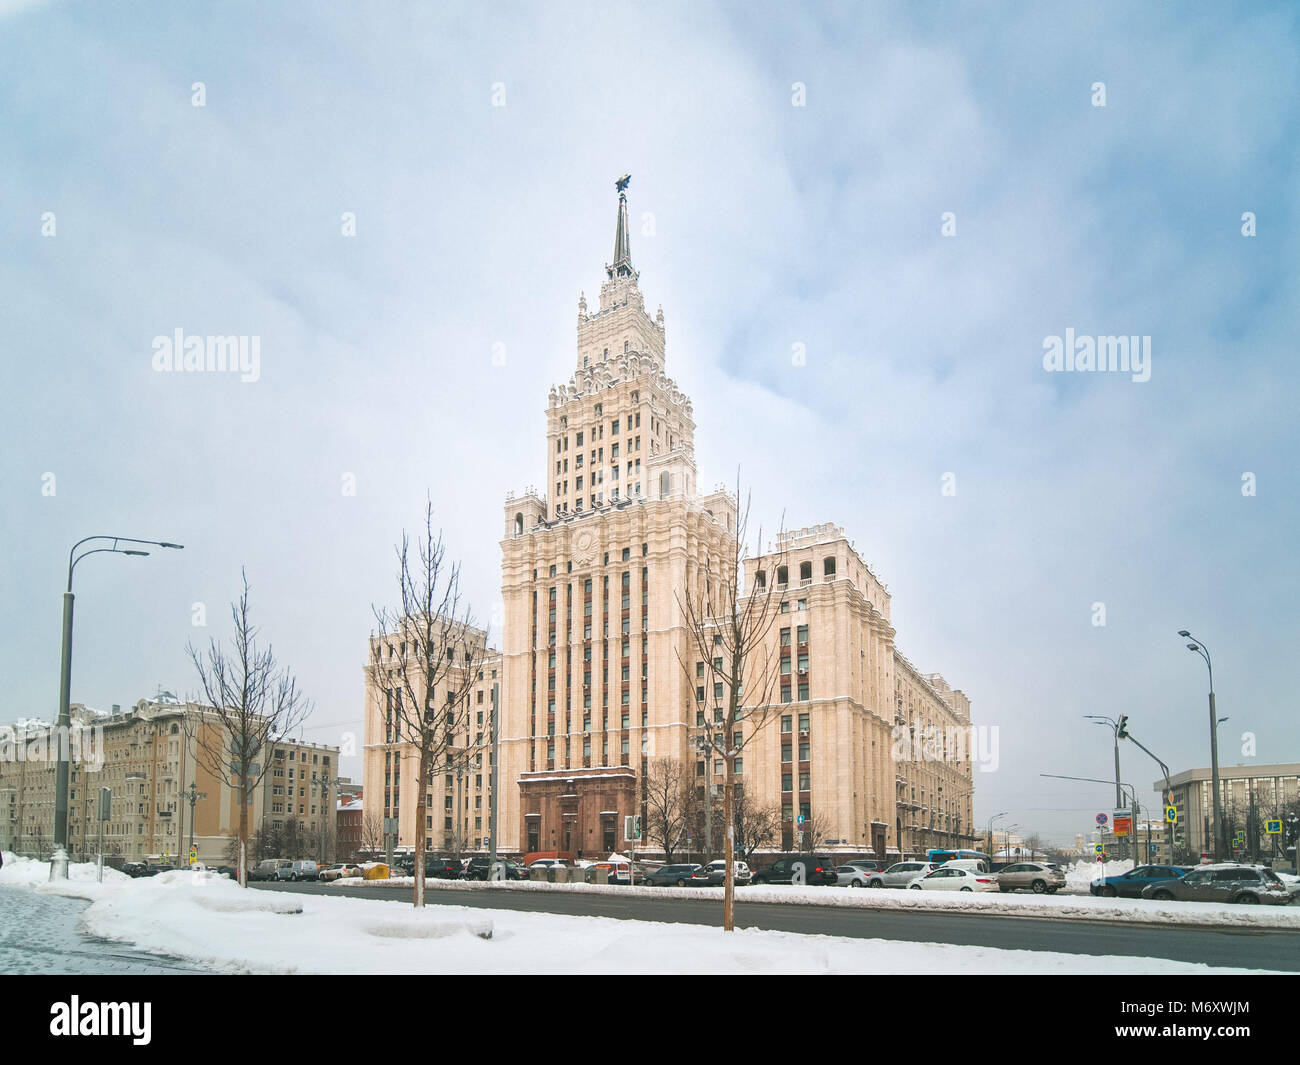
x=1102, y=819
x=1273, y=828
x=194, y=855
x=1171, y=814
x=1101, y=857
x=799, y=819
x=1151, y=847
x=1123, y=823
x=1097, y=849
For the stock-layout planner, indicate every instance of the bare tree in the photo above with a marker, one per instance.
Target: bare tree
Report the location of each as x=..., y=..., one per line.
x=729, y=632
x=757, y=826
x=813, y=833
x=667, y=789
x=426, y=655
x=251, y=701
x=372, y=834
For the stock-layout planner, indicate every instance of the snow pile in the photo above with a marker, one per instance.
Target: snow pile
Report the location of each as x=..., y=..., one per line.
x=1083, y=872
x=334, y=934
x=28, y=872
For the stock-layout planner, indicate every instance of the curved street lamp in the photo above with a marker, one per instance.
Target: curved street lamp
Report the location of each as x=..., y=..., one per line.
x=1199, y=647
x=59, y=863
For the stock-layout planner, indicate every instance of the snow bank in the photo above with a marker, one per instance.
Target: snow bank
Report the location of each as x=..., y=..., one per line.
x=81, y=882
x=1083, y=872
x=1009, y=904
x=206, y=920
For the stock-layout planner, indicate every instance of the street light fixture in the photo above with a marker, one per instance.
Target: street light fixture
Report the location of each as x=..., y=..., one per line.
x=1199, y=647
x=59, y=863
x=989, y=834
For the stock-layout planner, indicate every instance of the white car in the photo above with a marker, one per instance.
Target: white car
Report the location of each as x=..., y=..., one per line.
x=851, y=876
x=948, y=878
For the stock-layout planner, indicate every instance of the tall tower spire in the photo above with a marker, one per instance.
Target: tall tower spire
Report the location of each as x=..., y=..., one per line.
x=622, y=266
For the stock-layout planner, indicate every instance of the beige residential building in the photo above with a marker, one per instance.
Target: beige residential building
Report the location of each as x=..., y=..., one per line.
x=458, y=789
x=147, y=757
x=594, y=640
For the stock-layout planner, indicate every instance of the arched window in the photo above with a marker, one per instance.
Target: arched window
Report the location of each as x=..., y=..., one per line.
x=782, y=575
x=828, y=566
x=805, y=571
x=519, y=525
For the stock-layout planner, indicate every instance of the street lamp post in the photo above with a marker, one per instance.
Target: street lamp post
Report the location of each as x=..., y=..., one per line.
x=59, y=863
x=989, y=834
x=195, y=796
x=1199, y=647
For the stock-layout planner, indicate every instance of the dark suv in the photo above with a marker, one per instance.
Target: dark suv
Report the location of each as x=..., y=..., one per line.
x=817, y=869
x=441, y=868
x=478, y=869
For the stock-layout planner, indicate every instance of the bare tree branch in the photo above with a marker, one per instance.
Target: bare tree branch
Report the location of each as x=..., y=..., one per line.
x=251, y=701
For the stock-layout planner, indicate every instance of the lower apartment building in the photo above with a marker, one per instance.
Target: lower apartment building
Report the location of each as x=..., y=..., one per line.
x=147, y=757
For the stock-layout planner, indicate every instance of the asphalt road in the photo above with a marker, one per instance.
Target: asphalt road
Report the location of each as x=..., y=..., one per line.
x=1236, y=948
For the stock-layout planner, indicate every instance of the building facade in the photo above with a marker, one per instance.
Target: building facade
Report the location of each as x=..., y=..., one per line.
x=147, y=757
x=458, y=789
x=596, y=656
x=1248, y=795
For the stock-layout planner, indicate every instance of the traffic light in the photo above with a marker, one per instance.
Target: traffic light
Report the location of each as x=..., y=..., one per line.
x=1123, y=726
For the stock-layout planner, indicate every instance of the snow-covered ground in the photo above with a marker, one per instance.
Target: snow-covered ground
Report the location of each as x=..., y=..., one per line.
x=1008, y=904
x=211, y=920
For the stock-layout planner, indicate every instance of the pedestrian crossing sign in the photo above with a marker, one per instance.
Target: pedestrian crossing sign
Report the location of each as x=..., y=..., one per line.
x=1273, y=828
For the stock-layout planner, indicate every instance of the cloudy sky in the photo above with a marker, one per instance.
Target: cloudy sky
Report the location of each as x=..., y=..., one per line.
x=759, y=225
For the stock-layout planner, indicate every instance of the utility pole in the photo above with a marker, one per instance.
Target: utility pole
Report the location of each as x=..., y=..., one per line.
x=494, y=866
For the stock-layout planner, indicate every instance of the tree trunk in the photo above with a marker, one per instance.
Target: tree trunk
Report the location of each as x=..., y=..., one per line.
x=729, y=890
x=243, y=833
x=419, y=827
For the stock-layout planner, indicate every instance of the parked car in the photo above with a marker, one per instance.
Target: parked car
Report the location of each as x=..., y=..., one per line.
x=478, y=869
x=135, y=869
x=973, y=864
x=1039, y=877
x=266, y=868
x=867, y=865
x=1225, y=882
x=954, y=878
x=671, y=875
x=715, y=874
x=304, y=870
x=619, y=872
x=900, y=874
x=339, y=870
x=547, y=863
x=1130, y=885
x=851, y=876
x=815, y=869
x=228, y=870
x=284, y=873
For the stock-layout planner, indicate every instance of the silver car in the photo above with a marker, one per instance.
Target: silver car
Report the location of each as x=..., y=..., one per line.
x=1039, y=877
x=900, y=874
